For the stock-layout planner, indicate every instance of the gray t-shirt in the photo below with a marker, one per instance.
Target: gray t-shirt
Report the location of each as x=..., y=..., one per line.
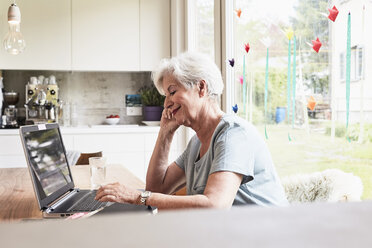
x=236, y=146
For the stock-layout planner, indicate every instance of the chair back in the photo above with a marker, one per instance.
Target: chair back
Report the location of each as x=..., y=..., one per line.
x=84, y=157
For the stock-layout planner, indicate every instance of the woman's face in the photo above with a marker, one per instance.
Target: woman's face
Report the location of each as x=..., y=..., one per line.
x=183, y=103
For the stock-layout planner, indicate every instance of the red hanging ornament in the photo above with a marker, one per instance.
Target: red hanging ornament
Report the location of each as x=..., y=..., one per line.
x=316, y=45
x=333, y=13
x=247, y=47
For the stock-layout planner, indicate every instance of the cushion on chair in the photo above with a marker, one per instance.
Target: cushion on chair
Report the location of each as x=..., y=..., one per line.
x=331, y=185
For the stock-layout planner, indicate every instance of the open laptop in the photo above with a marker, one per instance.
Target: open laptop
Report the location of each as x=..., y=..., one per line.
x=51, y=175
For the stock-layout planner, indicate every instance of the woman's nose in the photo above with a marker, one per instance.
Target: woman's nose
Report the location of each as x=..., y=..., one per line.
x=167, y=102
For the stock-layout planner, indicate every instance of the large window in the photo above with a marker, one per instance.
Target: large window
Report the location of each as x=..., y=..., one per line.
x=297, y=113
x=301, y=110
x=201, y=26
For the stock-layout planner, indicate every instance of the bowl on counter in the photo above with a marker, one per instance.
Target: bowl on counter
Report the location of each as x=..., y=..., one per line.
x=112, y=119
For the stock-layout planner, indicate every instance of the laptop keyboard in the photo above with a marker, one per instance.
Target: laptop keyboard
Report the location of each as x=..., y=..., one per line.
x=87, y=204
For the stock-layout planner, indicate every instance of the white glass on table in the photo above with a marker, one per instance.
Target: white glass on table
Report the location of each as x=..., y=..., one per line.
x=97, y=171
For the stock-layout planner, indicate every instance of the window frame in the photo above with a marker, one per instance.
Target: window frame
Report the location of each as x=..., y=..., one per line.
x=357, y=64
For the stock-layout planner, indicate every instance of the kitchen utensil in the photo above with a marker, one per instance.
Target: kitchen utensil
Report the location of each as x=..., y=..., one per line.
x=11, y=98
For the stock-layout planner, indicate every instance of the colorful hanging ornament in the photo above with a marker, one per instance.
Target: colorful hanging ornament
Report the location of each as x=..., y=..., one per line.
x=333, y=13
x=289, y=83
x=316, y=44
x=267, y=42
x=232, y=62
x=348, y=68
x=244, y=85
x=266, y=87
x=241, y=80
x=235, y=108
x=238, y=12
x=294, y=83
x=247, y=47
x=289, y=33
x=311, y=103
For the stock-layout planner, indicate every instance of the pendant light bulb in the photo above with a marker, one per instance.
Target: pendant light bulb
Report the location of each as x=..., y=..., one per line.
x=14, y=42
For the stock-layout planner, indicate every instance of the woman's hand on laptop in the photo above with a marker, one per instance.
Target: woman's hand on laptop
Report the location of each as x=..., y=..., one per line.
x=116, y=192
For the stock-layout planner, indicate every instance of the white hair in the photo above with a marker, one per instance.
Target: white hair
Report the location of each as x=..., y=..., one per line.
x=189, y=69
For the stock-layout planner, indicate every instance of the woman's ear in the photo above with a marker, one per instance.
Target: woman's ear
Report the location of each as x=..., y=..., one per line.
x=202, y=87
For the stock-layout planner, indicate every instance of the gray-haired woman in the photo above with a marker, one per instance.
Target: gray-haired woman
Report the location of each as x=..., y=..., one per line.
x=226, y=163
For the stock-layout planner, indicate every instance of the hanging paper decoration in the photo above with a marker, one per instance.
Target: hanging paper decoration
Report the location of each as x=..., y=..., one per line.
x=311, y=103
x=333, y=13
x=294, y=83
x=316, y=45
x=241, y=80
x=232, y=62
x=266, y=86
x=247, y=47
x=289, y=36
x=238, y=12
x=267, y=42
x=289, y=33
x=348, y=61
x=235, y=108
x=244, y=85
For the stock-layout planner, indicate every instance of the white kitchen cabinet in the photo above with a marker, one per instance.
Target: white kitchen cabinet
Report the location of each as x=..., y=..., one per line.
x=130, y=146
x=90, y=35
x=45, y=25
x=117, y=35
x=11, y=151
x=105, y=35
x=154, y=33
x=124, y=148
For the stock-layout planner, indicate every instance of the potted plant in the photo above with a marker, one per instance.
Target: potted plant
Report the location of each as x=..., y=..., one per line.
x=152, y=103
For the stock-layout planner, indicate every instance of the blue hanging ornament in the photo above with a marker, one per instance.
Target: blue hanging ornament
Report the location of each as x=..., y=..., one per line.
x=235, y=108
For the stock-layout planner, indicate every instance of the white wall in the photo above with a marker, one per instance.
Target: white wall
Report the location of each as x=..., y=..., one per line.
x=358, y=37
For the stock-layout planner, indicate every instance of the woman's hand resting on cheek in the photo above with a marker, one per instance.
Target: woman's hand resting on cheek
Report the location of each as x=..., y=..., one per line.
x=116, y=192
x=168, y=123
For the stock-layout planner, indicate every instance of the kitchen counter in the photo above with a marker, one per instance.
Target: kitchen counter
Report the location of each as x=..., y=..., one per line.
x=96, y=129
x=130, y=145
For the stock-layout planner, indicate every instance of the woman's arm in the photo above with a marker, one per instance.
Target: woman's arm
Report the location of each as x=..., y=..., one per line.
x=219, y=192
x=162, y=177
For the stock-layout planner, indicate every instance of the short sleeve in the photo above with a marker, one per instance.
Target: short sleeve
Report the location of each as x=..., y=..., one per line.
x=180, y=161
x=234, y=152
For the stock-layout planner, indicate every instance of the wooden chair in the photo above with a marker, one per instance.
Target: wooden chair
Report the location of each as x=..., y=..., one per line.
x=181, y=191
x=84, y=157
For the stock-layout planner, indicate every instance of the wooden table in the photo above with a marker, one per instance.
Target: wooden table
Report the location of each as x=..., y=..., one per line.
x=18, y=200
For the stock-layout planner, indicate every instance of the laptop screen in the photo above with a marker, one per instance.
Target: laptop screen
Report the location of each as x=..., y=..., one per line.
x=47, y=160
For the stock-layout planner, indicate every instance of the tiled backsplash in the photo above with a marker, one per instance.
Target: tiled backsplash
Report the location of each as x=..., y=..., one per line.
x=95, y=94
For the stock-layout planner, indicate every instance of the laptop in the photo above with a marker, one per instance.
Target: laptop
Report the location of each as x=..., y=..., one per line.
x=51, y=175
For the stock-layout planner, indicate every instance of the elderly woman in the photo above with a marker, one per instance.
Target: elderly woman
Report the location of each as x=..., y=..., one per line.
x=226, y=163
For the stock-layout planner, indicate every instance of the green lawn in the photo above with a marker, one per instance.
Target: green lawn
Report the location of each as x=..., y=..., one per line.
x=316, y=152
